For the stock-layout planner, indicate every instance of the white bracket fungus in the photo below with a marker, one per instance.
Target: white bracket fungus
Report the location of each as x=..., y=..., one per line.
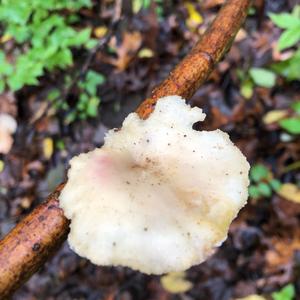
x=158, y=196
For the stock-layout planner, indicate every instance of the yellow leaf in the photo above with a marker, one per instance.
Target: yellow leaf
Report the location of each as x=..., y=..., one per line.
x=5, y=38
x=175, y=282
x=137, y=5
x=100, y=31
x=252, y=297
x=48, y=147
x=195, y=18
x=290, y=192
x=1, y=165
x=274, y=116
x=145, y=53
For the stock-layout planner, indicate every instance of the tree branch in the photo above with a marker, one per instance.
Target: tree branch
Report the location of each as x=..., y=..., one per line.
x=25, y=249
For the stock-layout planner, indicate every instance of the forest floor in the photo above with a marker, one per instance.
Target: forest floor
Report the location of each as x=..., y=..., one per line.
x=262, y=252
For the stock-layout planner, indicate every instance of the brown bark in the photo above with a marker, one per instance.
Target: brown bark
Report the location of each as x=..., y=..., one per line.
x=24, y=250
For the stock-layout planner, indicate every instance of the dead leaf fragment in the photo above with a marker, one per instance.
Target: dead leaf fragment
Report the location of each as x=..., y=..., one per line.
x=8, y=126
x=175, y=282
x=290, y=191
x=8, y=123
x=127, y=50
x=282, y=251
x=274, y=116
x=241, y=35
x=100, y=31
x=208, y=4
x=145, y=53
x=6, y=141
x=8, y=104
x=5, y=38
x=252, y=297
x=48, y=147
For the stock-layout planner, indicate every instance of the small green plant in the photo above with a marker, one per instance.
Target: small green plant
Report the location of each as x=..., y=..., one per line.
x=255, y=76
x=247, y=85
x=262, y=182
x=290, y=23
x=87, y=103
x=42, y=37
x=286, y=293
x=289, y=68
x=292, y=124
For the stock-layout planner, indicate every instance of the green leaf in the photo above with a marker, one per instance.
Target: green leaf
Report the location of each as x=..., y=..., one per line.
x=264, y=189
x=61, y=59
x=289, y=68
x=60, y=144
x=285, y=20
x=92, y=80
x=26, y=72
x=253, y=192
x=292, y=125
x=73, y=19
x=92, y=107
x=91, y=43
x=296, y=106
x=20, y=33
x=286, y=293
x=263, y=77
x=137, y=5
x=247, y=89
x=83, y=101
x=296, y=11
x=251, y=11
x=275, y=184
x=71, y=117
x=159, y=10
x=17, y=12
x=45, y=54
x=258, y=172
x=5, y=67
x=53, y=95
x=2, y=85
x=289, y=38
x=80, y=38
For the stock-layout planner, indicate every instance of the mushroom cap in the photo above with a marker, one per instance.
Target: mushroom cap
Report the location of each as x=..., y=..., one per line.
x=158, y=196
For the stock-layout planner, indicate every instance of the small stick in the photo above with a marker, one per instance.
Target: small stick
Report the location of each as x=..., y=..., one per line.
x=25, y=249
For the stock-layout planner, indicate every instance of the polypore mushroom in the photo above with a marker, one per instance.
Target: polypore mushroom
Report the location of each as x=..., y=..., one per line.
x=158, y=196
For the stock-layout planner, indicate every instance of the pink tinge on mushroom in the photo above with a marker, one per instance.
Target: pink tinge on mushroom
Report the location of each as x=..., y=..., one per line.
x=101, y=167
x=158, y=196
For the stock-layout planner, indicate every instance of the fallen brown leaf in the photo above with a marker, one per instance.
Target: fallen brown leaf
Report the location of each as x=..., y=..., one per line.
x=127, y=50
